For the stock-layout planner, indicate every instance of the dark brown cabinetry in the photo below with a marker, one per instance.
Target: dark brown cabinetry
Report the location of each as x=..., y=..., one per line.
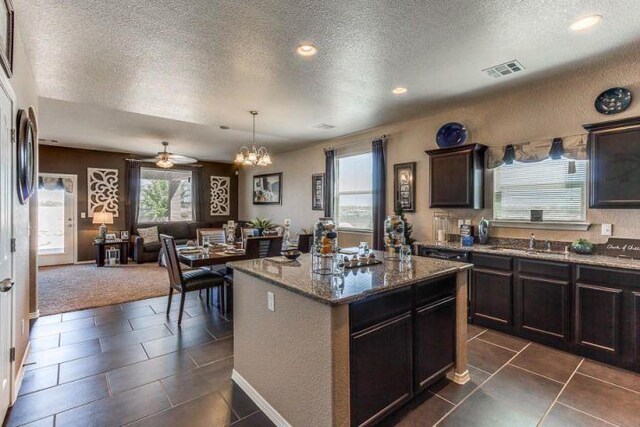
x=401, y=342
x=457, y=177
x=492, y=291
x=614, y=149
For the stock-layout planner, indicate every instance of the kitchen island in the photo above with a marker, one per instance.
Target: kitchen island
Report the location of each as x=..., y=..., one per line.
x=316, y=350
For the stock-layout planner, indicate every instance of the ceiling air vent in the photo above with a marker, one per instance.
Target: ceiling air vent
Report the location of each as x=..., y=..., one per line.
x=324, y=126
x=504, y=69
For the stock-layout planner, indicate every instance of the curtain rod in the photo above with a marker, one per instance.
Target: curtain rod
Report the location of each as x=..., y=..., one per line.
x=346, y=144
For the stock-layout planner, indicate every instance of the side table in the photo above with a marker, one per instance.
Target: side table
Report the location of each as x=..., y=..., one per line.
x=101, y=247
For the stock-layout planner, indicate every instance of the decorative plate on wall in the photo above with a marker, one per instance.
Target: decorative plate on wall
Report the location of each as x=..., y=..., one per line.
x=26, y=140
x=612, y=101
x=450, y=135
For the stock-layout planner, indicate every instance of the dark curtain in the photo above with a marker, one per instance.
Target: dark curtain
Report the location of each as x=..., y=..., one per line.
x=197, y=204
x=132, y=191
x=330, y=177
x=556, y=151
x=379, y=185
x=509, y=154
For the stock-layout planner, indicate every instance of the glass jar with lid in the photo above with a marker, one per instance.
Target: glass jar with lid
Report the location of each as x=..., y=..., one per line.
x=393, y=237
x=325, y=246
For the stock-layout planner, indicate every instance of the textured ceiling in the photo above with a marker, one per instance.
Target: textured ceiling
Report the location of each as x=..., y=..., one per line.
x=124, y=74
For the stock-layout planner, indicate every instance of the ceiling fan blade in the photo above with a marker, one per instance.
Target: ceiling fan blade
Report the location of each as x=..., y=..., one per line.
x=178, y=159
x=151, y=159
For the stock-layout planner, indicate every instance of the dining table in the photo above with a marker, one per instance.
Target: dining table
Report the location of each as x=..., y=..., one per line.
x=214, y=257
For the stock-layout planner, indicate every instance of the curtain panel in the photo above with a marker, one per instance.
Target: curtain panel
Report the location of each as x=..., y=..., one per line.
x=197, y=201
x=572, y=147
x=132, y=192
x=330, y=178
x=379, y=193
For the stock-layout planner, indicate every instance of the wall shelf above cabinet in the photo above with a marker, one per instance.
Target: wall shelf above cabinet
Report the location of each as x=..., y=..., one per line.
x=457, y=177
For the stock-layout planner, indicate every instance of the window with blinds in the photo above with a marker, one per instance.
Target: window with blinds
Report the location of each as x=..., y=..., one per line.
x=557, y=187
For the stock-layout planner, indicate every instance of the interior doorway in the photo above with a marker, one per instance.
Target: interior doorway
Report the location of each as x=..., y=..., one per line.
x=57, y=222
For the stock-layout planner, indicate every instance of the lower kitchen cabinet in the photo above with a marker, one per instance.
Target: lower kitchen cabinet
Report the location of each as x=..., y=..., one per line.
x=492, y=298
x=435, y=334
x=381, y=369
x=598, y=313
x=545, y=308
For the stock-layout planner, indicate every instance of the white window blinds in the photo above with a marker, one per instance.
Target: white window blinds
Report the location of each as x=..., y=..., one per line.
x=557, y=187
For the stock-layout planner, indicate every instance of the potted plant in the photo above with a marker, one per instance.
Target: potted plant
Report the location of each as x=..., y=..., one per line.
x=582, y=246
x=261, y=224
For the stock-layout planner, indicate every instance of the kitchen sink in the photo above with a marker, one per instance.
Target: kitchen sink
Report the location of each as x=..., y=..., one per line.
x=523, y=251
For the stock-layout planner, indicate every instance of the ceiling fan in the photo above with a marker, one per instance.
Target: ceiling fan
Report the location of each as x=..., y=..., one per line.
x=164, y=159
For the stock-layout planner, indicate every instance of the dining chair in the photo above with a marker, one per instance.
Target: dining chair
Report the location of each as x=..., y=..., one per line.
x=186, y=281
x=216, y=235
x=256, y=247
x=304, y=242
x=246, y=233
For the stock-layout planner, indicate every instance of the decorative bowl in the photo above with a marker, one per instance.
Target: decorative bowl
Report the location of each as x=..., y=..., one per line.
x=291, y=254
x=451, y=135
x=612, y=101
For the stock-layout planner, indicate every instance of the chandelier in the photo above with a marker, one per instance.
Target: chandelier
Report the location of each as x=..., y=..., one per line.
x=253, y=156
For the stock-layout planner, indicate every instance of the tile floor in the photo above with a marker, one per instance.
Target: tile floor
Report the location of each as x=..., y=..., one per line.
x=518, y=383
x=127, y=364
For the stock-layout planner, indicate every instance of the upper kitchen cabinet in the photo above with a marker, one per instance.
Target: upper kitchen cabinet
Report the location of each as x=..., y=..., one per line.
x=457, y=177
x=614, y=153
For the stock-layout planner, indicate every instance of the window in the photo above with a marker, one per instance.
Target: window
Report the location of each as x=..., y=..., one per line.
x=557, y=187
x=354, y=202
x=165, y=195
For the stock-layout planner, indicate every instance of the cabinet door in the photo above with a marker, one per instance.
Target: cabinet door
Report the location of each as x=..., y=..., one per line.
x=381, y=369
x=451, y=180
x=435, y=327
x=597, y=320
x=545, y=308
x=492, y=298
x=635, y=319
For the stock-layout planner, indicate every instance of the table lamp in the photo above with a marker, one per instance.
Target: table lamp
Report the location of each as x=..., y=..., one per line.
x=102, y=218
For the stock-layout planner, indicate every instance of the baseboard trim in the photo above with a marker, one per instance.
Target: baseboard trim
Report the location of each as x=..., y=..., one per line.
x=260, y=401
x=34, y=315
x=20, y=375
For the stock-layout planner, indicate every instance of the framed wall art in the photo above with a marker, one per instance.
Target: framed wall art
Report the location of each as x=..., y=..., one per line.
x=317, y=192
x=7, y=23
x=267, y=189
x=404, y=186
x=220, y=195
x=102, y=191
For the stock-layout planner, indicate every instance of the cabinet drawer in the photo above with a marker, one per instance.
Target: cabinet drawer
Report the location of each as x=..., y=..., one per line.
x=492, y=261
x=607, y=276
x=379, y=308
x=431, y=291
x=553, y=270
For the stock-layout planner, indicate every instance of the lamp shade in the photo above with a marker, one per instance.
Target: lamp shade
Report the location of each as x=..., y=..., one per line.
x=102, y=218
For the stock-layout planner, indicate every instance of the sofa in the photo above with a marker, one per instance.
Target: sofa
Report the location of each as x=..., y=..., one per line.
x=182, y=232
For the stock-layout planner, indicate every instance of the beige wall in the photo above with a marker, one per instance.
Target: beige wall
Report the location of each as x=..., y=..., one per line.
x=557, y=106
x=24, y=86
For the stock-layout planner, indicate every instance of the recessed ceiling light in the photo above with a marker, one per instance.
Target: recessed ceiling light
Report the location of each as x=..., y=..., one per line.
x=223, y=127
x=399, y=90
x=307, y=49
x=584, y=23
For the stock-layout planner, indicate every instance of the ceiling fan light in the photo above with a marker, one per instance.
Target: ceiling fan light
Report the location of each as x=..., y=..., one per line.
x=253, y=158
x=239, y=159
x=164, y=163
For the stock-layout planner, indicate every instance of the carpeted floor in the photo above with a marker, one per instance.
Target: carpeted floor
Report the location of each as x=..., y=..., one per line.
x=74, y=287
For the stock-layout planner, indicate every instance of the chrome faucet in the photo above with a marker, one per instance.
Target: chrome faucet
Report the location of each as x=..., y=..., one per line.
x=532, y=242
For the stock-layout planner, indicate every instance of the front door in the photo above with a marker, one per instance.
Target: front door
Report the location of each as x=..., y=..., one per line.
x=6, y=258
x=56, y=219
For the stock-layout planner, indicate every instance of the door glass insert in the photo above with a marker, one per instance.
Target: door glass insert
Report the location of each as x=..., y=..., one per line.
x=51, y=222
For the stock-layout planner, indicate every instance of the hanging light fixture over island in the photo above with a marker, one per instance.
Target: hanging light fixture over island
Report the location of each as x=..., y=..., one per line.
x=253, y=156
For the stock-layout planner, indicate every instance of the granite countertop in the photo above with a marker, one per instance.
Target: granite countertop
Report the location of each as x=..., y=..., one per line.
x=598, y=260
x=357, y=284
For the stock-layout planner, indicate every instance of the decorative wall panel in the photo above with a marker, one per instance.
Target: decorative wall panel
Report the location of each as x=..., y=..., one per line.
x=220, y=195
x=102, y=191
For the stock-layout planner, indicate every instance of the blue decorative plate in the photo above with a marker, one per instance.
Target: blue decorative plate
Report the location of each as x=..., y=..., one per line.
x=613, y=101
x=450, y=135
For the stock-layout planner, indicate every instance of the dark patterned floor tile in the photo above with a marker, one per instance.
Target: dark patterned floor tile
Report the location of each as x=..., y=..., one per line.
x=47, y=320
x=118, y=410
x=102, y=362
x=44, y=422
x=127, y=339
x=504, y=340
x=150, y=370
x=94, y=332
x=38, y=331
x=198, y=382
x=90, y=312
x=185, y=338
x=63, y=354
x=44, y=343
x=38, y=379
x=125, y=314
x=259, y=419
x=487, y=357
x=47, y=402
x=473, y=331
x=611, y=374
x=551, y=363
x=212, y=351
x=240, y=403
x=563, y=416
x=424, y=411
x=602, y=400
x=155, y=320
x=453, y=392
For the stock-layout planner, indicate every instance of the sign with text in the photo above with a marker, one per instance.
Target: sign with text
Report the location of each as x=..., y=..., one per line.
x=628, y=248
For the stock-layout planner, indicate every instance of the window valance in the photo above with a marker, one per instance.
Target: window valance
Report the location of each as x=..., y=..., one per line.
x=571, y=147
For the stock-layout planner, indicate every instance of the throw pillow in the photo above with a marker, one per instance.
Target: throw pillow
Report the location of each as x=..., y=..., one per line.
x=149, y=235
